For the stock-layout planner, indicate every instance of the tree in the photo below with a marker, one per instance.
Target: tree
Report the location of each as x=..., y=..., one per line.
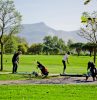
x=48, y=44
x=36, y=48
x=89, y=47
x=11, y=45
x=77, y=46
x=15, y=43
x=10, y=20
x=54, y=45
x=69, y=42
x=46, y=49
x=62, y=47
x=23, y=48
x=89, y=29
x=47, y=41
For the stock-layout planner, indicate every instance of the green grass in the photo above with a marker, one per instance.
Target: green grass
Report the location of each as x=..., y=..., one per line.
x=12, y=77
x=52, y=62
x=48, y=92
x=21, y=76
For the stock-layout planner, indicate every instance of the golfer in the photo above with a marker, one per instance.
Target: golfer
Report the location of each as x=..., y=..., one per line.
x=92, y=71
x=64, y=60
x=15, y=61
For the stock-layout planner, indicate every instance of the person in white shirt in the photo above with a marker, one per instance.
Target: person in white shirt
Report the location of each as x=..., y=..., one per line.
x=65, y=58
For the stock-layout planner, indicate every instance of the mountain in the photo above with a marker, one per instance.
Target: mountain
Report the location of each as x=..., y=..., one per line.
x=34, y=33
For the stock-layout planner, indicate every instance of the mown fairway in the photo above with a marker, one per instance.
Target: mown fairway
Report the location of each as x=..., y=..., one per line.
x=52, y=62
x=48, y=92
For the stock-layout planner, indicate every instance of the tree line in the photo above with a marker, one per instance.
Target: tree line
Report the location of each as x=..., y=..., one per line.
x=50, y=46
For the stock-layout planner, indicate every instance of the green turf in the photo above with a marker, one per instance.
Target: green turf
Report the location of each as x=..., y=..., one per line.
x=48, y=92
x=52, y=62
x=13, y=77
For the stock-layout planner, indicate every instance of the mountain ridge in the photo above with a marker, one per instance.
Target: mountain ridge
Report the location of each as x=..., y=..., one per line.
x=34, y=33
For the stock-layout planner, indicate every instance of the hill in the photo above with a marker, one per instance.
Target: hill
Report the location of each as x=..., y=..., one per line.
x=34, y=33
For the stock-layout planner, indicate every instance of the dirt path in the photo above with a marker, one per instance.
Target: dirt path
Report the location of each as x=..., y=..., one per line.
x=55, y=80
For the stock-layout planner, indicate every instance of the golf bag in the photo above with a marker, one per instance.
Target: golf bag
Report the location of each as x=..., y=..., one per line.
x=44, y=71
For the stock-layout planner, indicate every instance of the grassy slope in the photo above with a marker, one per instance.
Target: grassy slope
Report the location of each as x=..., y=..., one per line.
x=48, y=92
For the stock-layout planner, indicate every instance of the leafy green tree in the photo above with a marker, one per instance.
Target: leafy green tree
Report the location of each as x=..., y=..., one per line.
x=62, y=47
x=53, y=45
x=77, y=47
x=48, y=44
x=22, y=47
x=48, y=41
x=89, y=47
x=56, y=50
x=69, y=42
x=46, y=49
x=15, y=43
x=36, y=48
x=89, y=29
x=10, y=20
x=11, y=45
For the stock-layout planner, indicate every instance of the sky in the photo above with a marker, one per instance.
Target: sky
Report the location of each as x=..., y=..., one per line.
x=58, y=14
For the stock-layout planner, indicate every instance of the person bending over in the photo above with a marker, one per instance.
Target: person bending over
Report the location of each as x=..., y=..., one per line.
x=91, y=71
x=44, y=71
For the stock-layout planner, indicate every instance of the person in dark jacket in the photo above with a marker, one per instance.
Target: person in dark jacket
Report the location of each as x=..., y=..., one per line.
x=15, y=61
x=44, y=71
x=92, y=71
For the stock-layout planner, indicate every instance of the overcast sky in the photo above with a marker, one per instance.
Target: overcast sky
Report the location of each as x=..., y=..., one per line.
x=58, y=14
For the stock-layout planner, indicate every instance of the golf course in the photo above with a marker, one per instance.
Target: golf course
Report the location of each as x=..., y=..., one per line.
x=21, y=87
x=48, y=50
